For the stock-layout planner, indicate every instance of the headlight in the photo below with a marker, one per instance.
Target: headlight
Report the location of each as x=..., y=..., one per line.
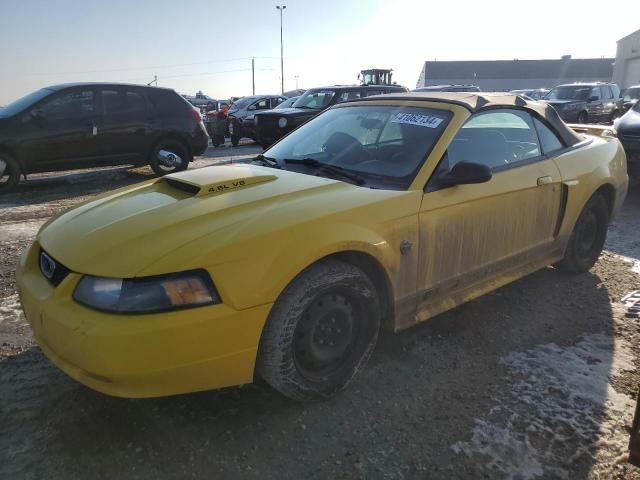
x=159, y=293
x=249, y=117
x=572, y=106
x=610, y=132
x=282, y=122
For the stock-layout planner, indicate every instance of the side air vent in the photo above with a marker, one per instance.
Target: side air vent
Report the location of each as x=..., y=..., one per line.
x=185, y=187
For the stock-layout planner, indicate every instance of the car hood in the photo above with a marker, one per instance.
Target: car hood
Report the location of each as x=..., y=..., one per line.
x=121, y=233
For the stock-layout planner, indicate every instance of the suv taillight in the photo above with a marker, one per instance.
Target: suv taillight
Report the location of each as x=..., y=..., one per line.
x=195, y=114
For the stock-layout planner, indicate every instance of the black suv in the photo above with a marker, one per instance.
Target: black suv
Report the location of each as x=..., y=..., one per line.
x=586, y=102
x=86, y=125
x=273, y=125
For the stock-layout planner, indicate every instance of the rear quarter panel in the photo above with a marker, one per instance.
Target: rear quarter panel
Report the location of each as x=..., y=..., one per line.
x=596, y=163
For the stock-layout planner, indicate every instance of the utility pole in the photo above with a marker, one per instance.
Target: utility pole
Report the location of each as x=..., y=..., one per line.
x=281, y=8
x=253, y=75
x=297, y=77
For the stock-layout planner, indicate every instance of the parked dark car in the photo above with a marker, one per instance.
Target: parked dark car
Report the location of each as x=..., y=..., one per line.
x=271, y=126
x=248, y=124
x=246, y=108
x=586, y=102
x=628, y=128
x=449, y=88
x=84, y=125
x=629, y=97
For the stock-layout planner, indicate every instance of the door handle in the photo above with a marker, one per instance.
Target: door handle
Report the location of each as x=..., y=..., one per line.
x=546, y=180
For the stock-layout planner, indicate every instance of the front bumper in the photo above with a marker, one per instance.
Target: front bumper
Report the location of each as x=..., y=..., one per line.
x=139, y=355
x=631, y=143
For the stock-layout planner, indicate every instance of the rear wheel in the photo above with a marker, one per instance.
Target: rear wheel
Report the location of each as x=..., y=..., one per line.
x=588, y=237
x=169, y=156
x=583, y=117
x=320, y=333
x=9, y=173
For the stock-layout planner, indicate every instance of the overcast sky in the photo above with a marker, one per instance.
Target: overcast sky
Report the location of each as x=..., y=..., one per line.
x=208, y=44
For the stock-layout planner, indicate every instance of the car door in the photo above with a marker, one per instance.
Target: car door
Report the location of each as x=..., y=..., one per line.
x=608, y=103
x=126, y=126
x=594, y=105
x=476, y=237
x=60, y=131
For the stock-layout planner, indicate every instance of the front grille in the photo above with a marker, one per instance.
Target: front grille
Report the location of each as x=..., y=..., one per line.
x=52, y=270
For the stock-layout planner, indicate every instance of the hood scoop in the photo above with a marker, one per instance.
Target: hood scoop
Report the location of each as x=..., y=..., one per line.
x=217, y=180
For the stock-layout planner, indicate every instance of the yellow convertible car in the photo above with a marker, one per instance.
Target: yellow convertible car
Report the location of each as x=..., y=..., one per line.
x=381, y=212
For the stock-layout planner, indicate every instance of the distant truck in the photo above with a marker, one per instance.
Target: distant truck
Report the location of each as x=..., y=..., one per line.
x=201, y=100
x=376, y=76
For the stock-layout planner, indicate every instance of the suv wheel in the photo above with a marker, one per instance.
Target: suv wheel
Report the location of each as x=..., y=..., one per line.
x=169, y=156
x=9, y=173
x=320, y=332
x=583, y=117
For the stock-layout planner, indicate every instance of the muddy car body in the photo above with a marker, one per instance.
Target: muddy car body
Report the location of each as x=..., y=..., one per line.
x=381, y=212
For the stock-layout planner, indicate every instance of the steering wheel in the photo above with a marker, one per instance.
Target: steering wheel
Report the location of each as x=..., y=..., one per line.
x=345, y=149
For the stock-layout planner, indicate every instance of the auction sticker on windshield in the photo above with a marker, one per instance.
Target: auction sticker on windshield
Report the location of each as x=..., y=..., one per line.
x=429, y=121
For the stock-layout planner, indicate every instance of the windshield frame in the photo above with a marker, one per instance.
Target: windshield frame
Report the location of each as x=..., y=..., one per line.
x=372, y=179
x=25, y=102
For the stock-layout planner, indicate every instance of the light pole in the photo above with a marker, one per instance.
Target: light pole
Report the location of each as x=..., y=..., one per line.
x=296, y=77
x=281, y=8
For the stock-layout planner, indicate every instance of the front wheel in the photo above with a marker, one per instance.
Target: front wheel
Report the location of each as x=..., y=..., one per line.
x=169, y=156
x=588, y=237
x=320, y=333
x=9, y=173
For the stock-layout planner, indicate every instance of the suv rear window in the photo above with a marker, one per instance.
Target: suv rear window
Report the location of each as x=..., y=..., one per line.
x=168, y=100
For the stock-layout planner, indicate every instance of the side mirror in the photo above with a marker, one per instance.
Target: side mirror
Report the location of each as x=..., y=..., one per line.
x=464, y=173
x=593, y=98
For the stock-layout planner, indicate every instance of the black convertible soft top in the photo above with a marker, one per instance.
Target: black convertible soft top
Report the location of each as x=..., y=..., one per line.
x=476, y=102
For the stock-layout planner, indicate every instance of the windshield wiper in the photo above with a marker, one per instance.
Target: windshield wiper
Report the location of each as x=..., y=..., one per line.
x=312, y=162
x=267, y=161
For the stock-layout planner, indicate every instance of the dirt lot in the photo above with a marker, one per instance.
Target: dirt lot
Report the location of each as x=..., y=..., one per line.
x=533, y=381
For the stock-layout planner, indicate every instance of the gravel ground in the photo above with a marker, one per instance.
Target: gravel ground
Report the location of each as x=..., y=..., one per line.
x=535, y=380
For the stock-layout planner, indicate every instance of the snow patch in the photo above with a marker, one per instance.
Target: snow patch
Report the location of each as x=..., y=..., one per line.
x=561, y=411
x=11, y=311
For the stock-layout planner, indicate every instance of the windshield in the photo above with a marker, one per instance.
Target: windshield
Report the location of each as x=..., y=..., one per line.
x=569, y=92
x=316, y=99
x=631, y=94
x=385, y=145
x=24, y=102
x=287, y=103
x=242, y=103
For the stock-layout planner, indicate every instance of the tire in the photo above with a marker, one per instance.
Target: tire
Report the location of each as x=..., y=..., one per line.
x=588, y=237
x=176, y=154
x=615, y=114
x=9, y=173
x=320, y=332
x=583, y=117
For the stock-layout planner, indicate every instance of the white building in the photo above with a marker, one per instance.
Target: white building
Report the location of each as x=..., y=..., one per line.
x=626, y=71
